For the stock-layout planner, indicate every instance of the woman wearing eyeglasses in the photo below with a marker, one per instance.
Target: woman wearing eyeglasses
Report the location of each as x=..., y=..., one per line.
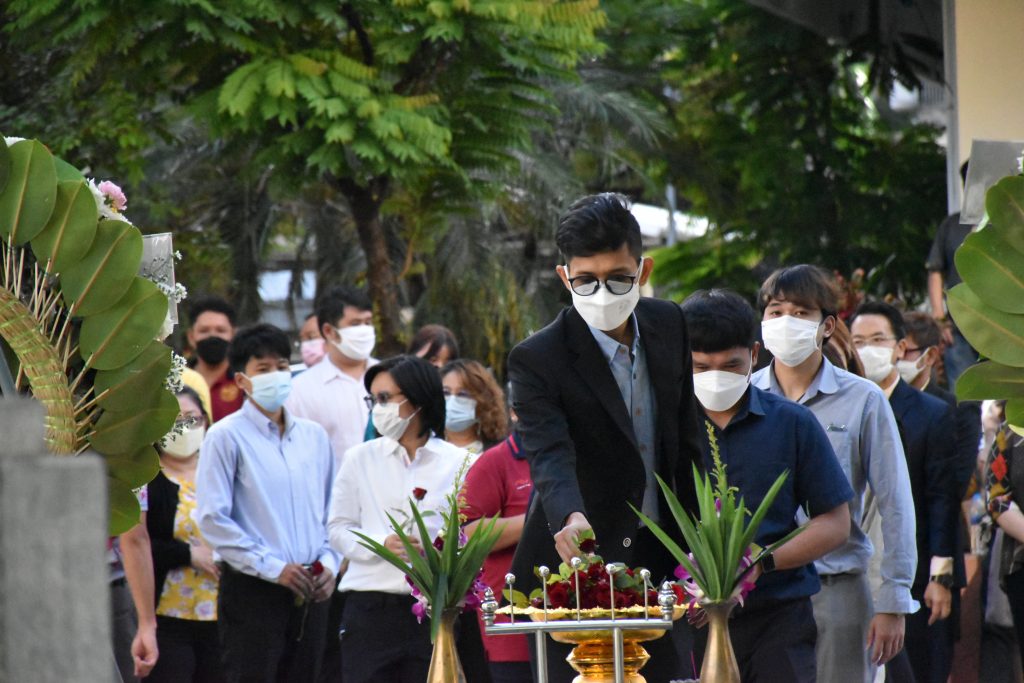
x=381, y=639
x=475, y=417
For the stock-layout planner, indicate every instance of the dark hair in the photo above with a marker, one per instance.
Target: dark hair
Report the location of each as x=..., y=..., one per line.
x=490, y=401
x=330, y=305
x=421, y=384
x=805, y=285
x=841, y=352
x=596, y=224
x=885, y=310
x=719, y=320
x=434, y=338
x=207, y=303
x=923, y=328
x=257, y=341
x=194, y=396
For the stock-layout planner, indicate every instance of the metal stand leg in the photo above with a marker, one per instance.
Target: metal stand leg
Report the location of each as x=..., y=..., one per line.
x=542, y=656
x=617, y=649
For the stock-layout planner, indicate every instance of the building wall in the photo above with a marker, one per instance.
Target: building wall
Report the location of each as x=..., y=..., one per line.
x=990, y=70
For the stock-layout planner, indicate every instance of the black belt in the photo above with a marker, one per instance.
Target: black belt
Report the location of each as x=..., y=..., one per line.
x=829, y=579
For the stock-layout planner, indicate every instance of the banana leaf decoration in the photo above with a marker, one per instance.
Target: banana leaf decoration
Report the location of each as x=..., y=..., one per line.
x=78, y=326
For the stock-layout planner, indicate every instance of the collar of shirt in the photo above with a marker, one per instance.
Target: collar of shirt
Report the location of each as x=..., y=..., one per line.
x=267, y=426
x=327, y=371
x=423, y=453
x=610, y=346
x=824, y=381
x=751, y=404
x=516, y=446
x=891, y=388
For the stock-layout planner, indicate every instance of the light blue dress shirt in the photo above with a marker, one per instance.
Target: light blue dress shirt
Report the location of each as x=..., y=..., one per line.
x=860, y=424
x=629, y=368
x=263, y=498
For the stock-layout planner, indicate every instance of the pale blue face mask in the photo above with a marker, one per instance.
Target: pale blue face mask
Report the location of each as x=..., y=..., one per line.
x=460, y=413
x=271, y=389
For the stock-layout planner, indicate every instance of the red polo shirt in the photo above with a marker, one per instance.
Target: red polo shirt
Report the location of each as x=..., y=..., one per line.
x=225, y=397
x=499, y=485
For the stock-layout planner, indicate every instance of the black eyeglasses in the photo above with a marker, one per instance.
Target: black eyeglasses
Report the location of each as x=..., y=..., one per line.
x=587, y=285
x=380, y=399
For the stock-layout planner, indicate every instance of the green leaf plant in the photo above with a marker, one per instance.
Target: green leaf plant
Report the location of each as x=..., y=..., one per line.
x=447, y=567
x=988, y=306
x=80, y=324
x=719, y=536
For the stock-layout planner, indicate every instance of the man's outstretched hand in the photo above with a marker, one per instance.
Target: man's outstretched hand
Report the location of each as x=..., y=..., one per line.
x=567, y=541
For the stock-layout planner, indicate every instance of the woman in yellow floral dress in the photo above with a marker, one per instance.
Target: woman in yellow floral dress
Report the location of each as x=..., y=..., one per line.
x=186, y=576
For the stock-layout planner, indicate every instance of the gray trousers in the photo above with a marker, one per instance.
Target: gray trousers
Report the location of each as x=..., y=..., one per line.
x=843, y=611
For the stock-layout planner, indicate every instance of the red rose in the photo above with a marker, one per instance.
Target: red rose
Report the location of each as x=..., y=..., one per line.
x=588, y=546
x=682, y=596
x=418, y=493
x=603, y=594
x=558, y=595
x=316, y=569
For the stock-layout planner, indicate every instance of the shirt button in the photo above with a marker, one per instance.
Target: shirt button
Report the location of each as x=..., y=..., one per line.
x=626, y=542
x=638, y=412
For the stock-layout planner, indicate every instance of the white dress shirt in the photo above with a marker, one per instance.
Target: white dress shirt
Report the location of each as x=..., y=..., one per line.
x=334, y=400
x=263, y=498
x=377, y=479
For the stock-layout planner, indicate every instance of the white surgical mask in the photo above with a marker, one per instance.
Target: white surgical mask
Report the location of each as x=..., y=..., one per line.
x=357, y=342
x=877, y=362
x=459, y=412
x=719, y=390
x=791, y=340
x=387, y=421
x=271, y=389
x=184, y=445
x=910, y=369
x=604, y=310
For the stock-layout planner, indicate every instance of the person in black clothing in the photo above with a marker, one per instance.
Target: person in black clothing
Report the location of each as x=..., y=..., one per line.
x=604, y=396
x=184, y=572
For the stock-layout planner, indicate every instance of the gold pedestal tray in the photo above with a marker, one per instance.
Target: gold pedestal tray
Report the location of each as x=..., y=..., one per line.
x=593, y=656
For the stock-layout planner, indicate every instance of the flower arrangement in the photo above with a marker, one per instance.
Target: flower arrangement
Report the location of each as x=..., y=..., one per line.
x=445, y=572
x=720, y=538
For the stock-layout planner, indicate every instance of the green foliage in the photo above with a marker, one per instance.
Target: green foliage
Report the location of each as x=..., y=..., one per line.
x=71, y=229
x=718, y=539
x=31, y=191
x=442, y=576
x=987, y=304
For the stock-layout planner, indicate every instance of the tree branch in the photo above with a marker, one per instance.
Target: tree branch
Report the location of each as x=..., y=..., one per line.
x=349, y=12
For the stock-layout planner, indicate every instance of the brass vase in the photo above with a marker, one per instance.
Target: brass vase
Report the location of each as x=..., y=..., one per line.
x=445, y=666
x=720, y=664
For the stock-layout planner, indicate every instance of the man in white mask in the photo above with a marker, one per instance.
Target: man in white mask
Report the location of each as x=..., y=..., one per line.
x=604, y=396
x=331, y=394
x=927, y=426
x=856, y=631
x=760, y=435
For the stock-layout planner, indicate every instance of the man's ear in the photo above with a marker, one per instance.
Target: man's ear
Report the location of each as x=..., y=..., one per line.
x=753, y=355
x=901, y=349
x=243, y=383
x=646, y=270
x=829, y=328
x=191, y=337
x=563, y=275
x=931, y=356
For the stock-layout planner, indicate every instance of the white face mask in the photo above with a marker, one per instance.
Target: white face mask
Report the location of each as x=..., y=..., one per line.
x=719, y=390
x=910, y=369
x=357, y=342
x=604, y=310
x=387, y=421
x=877, y=361
x=184, y=445
x=791, y=340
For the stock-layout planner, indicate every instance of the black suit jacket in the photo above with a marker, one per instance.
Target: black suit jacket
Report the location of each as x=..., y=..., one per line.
x=579, y=438
x=926, y=425
x=168, y=552
x=967, y=434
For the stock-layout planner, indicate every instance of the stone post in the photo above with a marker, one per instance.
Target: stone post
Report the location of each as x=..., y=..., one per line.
x=54, y=586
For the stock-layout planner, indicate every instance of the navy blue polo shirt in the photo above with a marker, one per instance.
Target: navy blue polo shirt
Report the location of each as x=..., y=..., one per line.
x=768, y=435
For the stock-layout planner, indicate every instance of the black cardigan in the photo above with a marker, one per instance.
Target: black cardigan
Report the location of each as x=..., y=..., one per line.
x=168, y=552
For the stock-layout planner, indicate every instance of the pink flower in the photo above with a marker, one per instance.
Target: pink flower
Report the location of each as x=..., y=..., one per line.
x=114, y=195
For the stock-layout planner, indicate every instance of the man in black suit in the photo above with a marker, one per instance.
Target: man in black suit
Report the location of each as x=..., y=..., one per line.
x=926, y=426
x=604, y=396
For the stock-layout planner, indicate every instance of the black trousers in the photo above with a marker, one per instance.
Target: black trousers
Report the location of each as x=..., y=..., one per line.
x=773, y=644
x=381, y=640
x=1014, y=584
x=188, y=652
x=927, y=655
x=330, y=668
x=265, y=637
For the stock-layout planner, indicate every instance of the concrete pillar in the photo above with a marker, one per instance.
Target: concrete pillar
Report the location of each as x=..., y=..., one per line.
x=54, y=586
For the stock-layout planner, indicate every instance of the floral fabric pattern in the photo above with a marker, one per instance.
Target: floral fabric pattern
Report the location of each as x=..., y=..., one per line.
x=188, y=593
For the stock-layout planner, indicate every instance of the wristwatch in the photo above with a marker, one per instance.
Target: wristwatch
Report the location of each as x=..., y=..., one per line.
x=767, y=563
x=944, y=580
